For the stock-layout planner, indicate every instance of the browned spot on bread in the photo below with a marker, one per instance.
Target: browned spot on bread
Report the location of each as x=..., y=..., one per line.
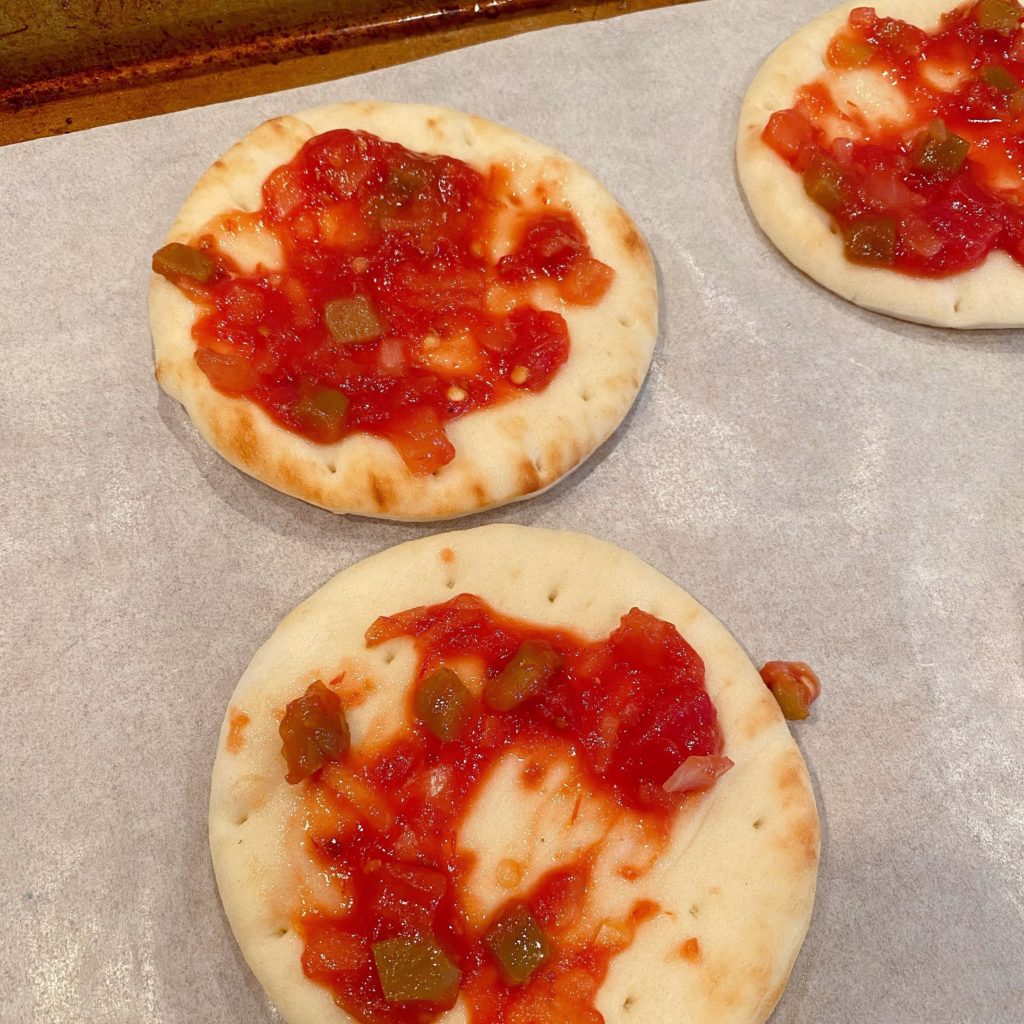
x=528, y=479
x=161, y=371
x=762, y=715
x=237, y=721
x=558, y=462
x=291, y=476
x=447, y=555
x=805, y=838
x=790, y=777
x=378, y=491
x=514, y=427
x=623, y=228
x=221, y=164
x=236, y=434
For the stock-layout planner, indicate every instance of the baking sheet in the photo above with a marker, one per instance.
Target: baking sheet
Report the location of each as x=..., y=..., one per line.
x=836, y=486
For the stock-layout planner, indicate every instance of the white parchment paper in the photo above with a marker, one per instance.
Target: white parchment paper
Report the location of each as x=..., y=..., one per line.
x=836, y=486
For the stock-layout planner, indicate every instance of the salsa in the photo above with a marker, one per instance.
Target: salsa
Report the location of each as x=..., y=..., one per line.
x=935, y=194
x=625, y=713
x=387, y=315
x=794, y=684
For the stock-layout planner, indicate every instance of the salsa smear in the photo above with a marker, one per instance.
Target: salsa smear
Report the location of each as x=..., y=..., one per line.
x=629, y=714
x=934, y=196
x=387, y=315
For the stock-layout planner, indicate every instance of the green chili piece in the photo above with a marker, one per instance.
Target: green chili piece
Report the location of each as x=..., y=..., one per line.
x=823, y=182
x=415, y=971
x=999, y=78
x=871, y=240
x=1000, y=16
x=352, y=320
x=442, y=704
x=528, y=671
x=518, y=944
x=177, y=260
x=323, y=412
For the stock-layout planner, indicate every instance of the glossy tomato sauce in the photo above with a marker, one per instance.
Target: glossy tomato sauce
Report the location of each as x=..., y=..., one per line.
x=388, y=316
x=623, y=713
x=936, y=195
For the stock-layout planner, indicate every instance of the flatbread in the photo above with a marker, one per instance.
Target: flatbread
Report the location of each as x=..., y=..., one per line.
x=741, y=864
x=990, y=295
x=503, y=453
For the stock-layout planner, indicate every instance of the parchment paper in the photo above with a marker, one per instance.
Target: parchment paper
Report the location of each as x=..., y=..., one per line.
x=836, y=486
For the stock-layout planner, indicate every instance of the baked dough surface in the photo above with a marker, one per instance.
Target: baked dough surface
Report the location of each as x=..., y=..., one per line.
x=990, y=295
x=503, y=453
x=741, y=864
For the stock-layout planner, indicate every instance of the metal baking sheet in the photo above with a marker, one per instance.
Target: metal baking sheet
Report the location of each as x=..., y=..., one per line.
x=836, y=486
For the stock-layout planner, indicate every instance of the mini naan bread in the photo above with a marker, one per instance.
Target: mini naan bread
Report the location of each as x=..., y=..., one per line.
x=504, y=452
x=739, y=871
x=991, y=295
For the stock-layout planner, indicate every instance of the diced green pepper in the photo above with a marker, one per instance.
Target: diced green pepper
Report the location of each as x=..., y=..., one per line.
x=323, y=412
x=415, y=971
x=999, y=78
x=352, y=320
x=939, y=151
x=406, y=182
x=527, y=673
x=851, y=52
x=1000, y=16
x=792, y=699
x=518, y=944
x=871, y=240
x=314, y=731
x=442, y=704
x=177, y=260
x=823, y=182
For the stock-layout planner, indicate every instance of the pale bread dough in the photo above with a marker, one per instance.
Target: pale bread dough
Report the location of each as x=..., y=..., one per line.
x=991, y=295
x=503, y=453
x=739, y=873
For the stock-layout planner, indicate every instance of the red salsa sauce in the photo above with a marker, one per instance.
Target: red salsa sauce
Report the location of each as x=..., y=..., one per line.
x=387, y=315
x=934, y=196
x=624, y=712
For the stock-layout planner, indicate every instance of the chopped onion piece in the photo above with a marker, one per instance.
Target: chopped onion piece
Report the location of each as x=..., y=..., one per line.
x=697, y=772
x=391, y=355
x=843, y=151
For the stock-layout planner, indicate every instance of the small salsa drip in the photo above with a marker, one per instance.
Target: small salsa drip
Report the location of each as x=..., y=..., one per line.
x=934, y=195
x=794, y=685
x=627, y=714
x=386, y=315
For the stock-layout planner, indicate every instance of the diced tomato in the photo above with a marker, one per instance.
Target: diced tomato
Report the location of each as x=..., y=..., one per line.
x=587, y=281
x=540, y=343
x=421, y=441
x=227, y=371
x=283, y=192
x=787, y=132
x=405, y=897
x=331, y=951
